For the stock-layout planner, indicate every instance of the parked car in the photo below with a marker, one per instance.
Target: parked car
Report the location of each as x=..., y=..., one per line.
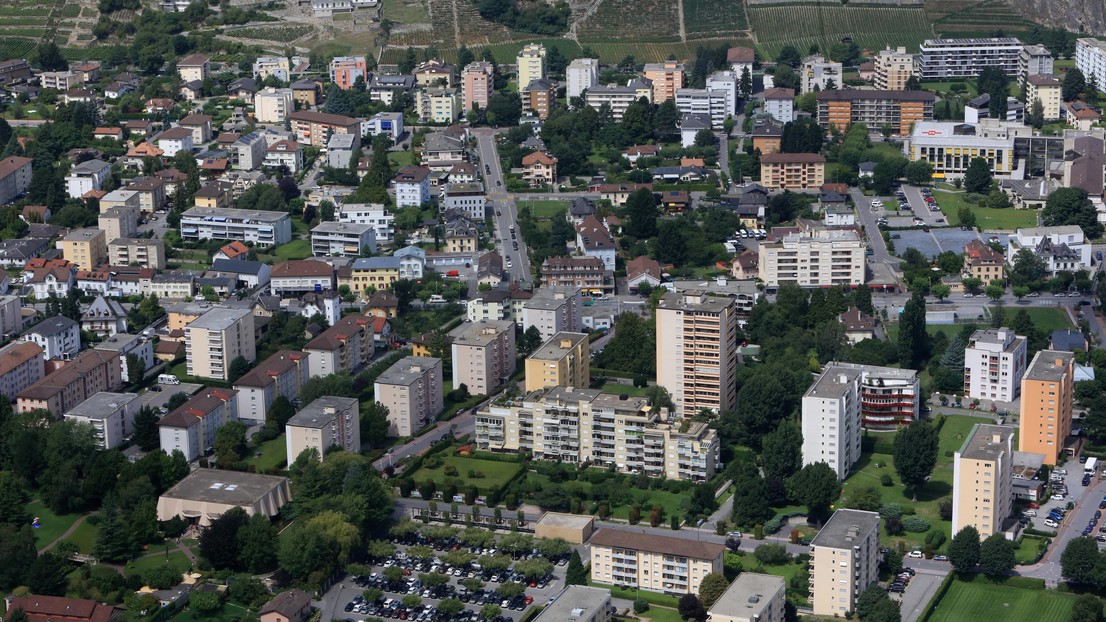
x=915, y=554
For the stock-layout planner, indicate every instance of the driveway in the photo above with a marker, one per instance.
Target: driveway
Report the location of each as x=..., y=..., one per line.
x=157, y=399
x=1086, y=504
x=922, y=588
x=460, y=425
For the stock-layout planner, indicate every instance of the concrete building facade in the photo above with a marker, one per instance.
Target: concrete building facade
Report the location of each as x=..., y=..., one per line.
x=1046, y=404
x=982, y=481
x=412, y=391
x=844, y=561
x=697, y=337
x=994, y=363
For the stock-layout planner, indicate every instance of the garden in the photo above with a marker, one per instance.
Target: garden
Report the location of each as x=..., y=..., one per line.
x=486, y=475
x=980, y=600
x=987, y=218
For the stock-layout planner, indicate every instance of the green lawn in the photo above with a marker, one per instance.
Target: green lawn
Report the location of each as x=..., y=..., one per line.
x=1046, y=319
x=406, y=11
x=981, y=601
x=662, y=614
x=84, y=537
x=664, y=600
x=1027, y=549
x=543, y=209
x=496, y=473
x=944, y=87
x=671, y=502
x=296, y=249
x=399, y=158
x=273, y=453
x=627, y=389
x=987, y=218
x=51, y=525
x=176, y=560
x=788, y=572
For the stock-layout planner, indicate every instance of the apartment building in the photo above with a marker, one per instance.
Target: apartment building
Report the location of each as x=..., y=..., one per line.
x=215, y=339
x=484, y=355
x=653, y=562
x=982, y=480
x=994, y=363
x=375, y=272
x=581, y=75
x=467, y=198
x=15, y=178
x=412, y=185
x=792, y=171
x=531, y=63
x=947, y=59
x=342, y=239
x=192, y=426
x=818, y=73
x=175, y=140
x=1035, y=60
x=894, y=69
x=619, y=97
x=58, y=336
x=200, y=126
x=344, y=347
x=578, y=603
x=11, y=316
x=831, y=421
x=563, y=361
x=344, y=71
x=779, y=104
x=86, y=248
x=111, y=416
x=194, y=67
x=278, y=66
x=315, y=128
x=1046, y=404
x=118, y=222
x=1090, y=58
x=292, y=279
x=75, y=381
x=477, y=84
x=552, y=310
x=844, y=561
x=983, y=263
x=712, y=103
x=1045, y=89
x=144, y=252
x=324, y=423
x=814, y=257
x=697, y=338
x=438, y=105
x=86, y=176
x=572, y=424
x=412, y=391
x=374, y=214
x=272, y=105
x=667, y=78
x=589, y=273
x=902, y=110
x=262, y=228
x=21, y=365
x=539, y=98
x=281, y=375
x=950, y=147
x=752, y=597
x=1064, y=248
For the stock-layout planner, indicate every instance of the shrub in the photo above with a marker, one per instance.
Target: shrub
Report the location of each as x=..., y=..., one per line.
x=885, y=480
x=935, y=538
x=915, y=524
x=890, y=510
x=451, y=470
x=894, y=526
x=944, y=509
x=772, y=526
x=771, y=554
x=641, y=605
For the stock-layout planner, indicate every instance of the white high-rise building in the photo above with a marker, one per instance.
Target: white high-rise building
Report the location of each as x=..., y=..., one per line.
x=582, y=74
x=994, y=363
x=942, y=59
x=725, y=82
x=1090, y=58
x=831, y=420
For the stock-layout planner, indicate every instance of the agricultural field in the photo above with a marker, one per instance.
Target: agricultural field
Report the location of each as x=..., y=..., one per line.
x=871, y=27
x=711, y=16
x=955, y=18
x=654, y=52
x=640, y=20
x=982, y=601
x=406, y=11
x=24, y=22
x=283, y=33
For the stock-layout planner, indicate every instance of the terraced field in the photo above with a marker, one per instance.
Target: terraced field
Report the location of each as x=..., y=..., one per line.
x=654, y=52
x=23, y=23
x=711, y=16
x=638, y=20
x=955, y=18
x=871, y=27
x=283, y=32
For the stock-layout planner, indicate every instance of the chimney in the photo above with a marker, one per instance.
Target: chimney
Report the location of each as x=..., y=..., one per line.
x=842, y=378
x=996, y=438
x=1059, y=362
x=330, y=410
x=566, y=343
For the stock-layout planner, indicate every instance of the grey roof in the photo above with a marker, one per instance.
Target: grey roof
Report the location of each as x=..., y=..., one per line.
x=748, y=596
x=832, y=382
x=376, y=263
x=403, y=373
x=91, y=166
x=575, y=603
x=581, y=207
x=1068, y=339
x=316, y=415
x=480, y=333
x=118, y=342
x=1044, y=367
x=552, y=350
x=101, y=405
x=695, y=122
x=695, y=301
x=52, y=326
x=224, y=487
x=981, y=444
x=219, y=318
x=243, y=84
x=342, y=227
x=341, y=141
x=25, y=248
x=237, y=266
x=846, y=528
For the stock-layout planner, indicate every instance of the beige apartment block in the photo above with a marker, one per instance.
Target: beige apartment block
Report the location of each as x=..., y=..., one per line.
x=118, y=222
x=578, y=603
x=577, y=425
x=652, y=562
x=752, y=597
x=817, y=257
x=477, y=83
x=144, y=252
x=484, y=355
x=1046, y=404
x=215, y=339
x=893, y=69
x=412, y=391
x=87, y=248
x=697, y=343
x=272, y=105
x=1046, y=89
x=982, y=480
x=531, y=64
x=563, y=361
x=667, y=77
x=324, y=423
x=844, y=560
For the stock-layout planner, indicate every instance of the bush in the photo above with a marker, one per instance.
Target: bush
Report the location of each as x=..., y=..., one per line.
x=890, y=510
x=641, y=605
x=771, y=554
x=885, y=480
x=915, y=524
x=772, y=526
x=935, y=538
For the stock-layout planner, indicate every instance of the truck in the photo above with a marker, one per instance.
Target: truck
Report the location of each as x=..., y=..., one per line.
x=168, y=379
x=1089, y=466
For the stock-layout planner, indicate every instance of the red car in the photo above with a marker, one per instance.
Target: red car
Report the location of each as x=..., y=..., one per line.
x=1033, y=505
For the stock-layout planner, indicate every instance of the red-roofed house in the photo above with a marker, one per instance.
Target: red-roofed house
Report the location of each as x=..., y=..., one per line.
x=60, y=609
x=191, y=427
x=234, y=250
x=642, y=270
x=641, y=151
x=281, y=374
x=539, y=169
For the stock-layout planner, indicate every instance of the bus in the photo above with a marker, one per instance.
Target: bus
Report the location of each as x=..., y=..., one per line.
x=1089, y=467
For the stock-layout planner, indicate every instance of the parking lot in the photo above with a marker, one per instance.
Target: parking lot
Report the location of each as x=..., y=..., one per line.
x=424, y=582
x=158, y=395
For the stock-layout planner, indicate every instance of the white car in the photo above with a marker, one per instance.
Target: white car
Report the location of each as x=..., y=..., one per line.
x=1051, y=523
x=735, y=534
x=1057, y=497
x=1060, y=471
x=915, y=554
x=1029, y=513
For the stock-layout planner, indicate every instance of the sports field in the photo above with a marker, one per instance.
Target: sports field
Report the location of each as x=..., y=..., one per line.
x=982, y=601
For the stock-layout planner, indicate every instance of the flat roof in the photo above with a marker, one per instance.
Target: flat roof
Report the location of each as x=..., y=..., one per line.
x=1044, y=367
x=576, y=602
x=981, y=444
x=315, y=414
x=748, y=596
x=102, y=405
x=219, y=318
x=401, y=373
x=228, y=213
x=480, y=333
x=224, y=487
x=694, y=300
x=552, y=350
x=342, y=227
x=832, y=382
x=560, y=519
x=845, y=529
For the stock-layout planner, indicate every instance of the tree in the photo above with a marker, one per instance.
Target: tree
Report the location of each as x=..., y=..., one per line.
x=1087, y=608
x=281, y=411
x=996, y=555
x=1071, y=206
x=750, y=501
x=994, y=291
x=1073, y=85
x=862, y=298
x=783, y=451
x=977, y=177
x=940, y=291
x=576, y=573
x=919, y=172
x=964, y=549
x=135, y=368
x=113, y=539
x=690, y=608
x=1028, y=267
x=915, y=454
x=257, y=542
x=48, y=57
x=205, y=603
x=869, y=599
x=641, y=207
x=13, y=499
x=1078, y=561
x=1036, y=115
x=711, y=588
x=789, y=55
x=219, y=543
x=865, y=498
x=814, y=486
x=238, y=367
x=490, y=612
x=47, y=575
x=451, y=607
x=913, y=338
x=230, y=443
x=885, y=610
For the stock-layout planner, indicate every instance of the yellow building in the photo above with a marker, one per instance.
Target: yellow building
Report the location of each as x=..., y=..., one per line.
x=569, y=527
x=982, y=481
x=893, y=69
x=667, y=77
x=143, y=252
x=87, y=248
x=792, y=171
x=563, y=361
x=375, y=272
x=1046, y=89
x=531, y=64
x=653, y=562
x=1046, y=404
x=215, y=339
x=844, y=560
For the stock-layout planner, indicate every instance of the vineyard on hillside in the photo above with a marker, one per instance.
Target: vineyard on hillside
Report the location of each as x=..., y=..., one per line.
x=870, y=27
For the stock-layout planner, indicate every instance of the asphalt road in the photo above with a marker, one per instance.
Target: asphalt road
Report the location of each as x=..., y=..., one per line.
x=515, y=262
x=1086, y=503
x=460, y=425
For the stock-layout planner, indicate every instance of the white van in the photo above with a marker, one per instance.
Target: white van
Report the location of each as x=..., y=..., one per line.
x=435, y=299
x=168, y=379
